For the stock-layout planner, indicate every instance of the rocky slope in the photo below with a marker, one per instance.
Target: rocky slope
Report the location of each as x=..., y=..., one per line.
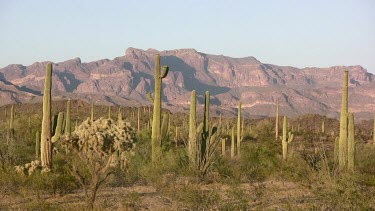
x=125, y=81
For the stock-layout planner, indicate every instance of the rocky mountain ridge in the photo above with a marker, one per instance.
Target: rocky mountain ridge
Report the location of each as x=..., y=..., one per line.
x=125, y=81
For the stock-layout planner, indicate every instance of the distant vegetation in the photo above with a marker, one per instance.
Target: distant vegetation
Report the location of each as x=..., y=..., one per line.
x=86, y=153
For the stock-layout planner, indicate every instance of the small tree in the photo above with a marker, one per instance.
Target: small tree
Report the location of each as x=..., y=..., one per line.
x=100, y=146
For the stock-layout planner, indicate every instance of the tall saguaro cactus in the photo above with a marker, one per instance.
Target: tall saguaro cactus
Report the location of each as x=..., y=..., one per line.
x=11, y=126
x=156, y=139
x=206, y=122
x=286, y=139
x=232, y=145
x=351, y=143
x=68, y=127
x=192, y=145
x=277, y=120
x=343, y=141
x=239, y=135
x=45, y=142
x=139, y=120
x=11, y=121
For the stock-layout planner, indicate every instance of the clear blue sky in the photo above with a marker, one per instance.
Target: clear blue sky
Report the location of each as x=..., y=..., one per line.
x=297, y=33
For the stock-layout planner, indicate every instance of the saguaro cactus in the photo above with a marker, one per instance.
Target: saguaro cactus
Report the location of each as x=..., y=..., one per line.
x=286, y=139
x=223, y=147
x=343, y=142
x=203, y=140
x=109, y=112
x=206, y=122
x=45, y=143
x=11, y=126
x=11, y=121
x=277, y=120
x=37, y=144
x=232, y=144
x=323, y=127
x=92, y=112
x=192, y=144
x=239, y=131
x=68, y=127
x=139, y=120
x=351, y=143
x=373, y=132
x=156, y=139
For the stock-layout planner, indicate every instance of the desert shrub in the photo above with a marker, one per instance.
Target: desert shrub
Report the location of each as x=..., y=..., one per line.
x=263, y=130
x=174, y=163
x=98, y=148
x=342, y=193
x=257, y=162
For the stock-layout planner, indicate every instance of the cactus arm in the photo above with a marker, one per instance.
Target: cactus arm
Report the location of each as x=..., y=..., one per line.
x=165, y=71
x=164, y=126
x=59, y=130
x=291, y=138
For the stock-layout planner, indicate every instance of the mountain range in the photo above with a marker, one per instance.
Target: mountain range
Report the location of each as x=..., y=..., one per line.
x=126, y=80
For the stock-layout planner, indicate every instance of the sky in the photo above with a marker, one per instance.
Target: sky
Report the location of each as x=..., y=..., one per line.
x=298, y=33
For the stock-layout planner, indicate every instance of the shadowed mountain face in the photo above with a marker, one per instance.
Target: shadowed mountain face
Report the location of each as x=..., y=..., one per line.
x=126, y=80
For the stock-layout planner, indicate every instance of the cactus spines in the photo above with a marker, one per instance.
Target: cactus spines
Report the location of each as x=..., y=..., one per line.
x=277, y=120
x=286, y=139
x=45, y=142
x=37, y=144
x=156, y=140
x=192, y=144
x=351, y=143
x=92, y=112
x=343, y=142
x=68, y=127
x=232, y=144
x=59, y=129
x=239, y=135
